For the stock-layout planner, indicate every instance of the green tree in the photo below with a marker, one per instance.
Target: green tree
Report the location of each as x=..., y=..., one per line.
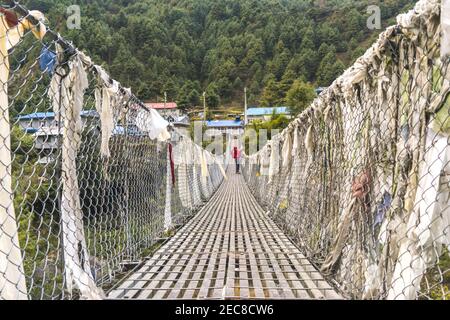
x=156, y=46
x=212, y=97
x=272, y=94
x=329, y=69
x=300, y=96
x=189, y=96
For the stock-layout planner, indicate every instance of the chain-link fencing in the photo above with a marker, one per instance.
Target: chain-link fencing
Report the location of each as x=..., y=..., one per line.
x=90, y=181
x=360, y=180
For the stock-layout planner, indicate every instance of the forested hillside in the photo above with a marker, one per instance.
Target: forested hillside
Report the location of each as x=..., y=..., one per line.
x=186, y=46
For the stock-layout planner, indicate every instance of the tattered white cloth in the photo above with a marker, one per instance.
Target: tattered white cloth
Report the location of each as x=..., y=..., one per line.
x=183, y=175
x=274, y=165
x=287, y=150
x=204, y=172
x=265, y=160
x=12, y=276
x=196, y=160
x=222, y=170
x=67, y=94
x=445, y=26
x=429, y=223
x=106, y=100
x=151, y=122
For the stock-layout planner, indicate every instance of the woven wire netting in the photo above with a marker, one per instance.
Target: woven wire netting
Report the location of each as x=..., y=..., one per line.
x=125, y=199
x=366, y=192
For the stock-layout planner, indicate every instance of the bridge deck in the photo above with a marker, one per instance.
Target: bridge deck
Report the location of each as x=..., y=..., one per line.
x=230, y=250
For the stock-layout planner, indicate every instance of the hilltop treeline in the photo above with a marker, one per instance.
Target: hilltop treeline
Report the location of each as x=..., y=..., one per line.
x=184, y=47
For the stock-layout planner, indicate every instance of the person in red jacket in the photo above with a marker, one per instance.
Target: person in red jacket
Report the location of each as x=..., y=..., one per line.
x=236, y=153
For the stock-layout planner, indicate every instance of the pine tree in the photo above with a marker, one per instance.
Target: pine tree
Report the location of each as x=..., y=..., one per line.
x=300, y=96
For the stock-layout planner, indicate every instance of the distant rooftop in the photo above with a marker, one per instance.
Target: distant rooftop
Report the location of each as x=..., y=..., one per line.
x=267, y=111
x=51, y=131
x=179, y=121
x=161, y=106
x=131, y=130
x=51, y=115
x=319, y=90
x=225, y=124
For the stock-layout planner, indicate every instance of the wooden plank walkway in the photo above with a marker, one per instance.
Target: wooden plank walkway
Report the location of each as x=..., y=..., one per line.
x=230, y=250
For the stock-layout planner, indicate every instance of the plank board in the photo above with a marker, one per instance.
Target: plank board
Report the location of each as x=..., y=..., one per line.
x=230, y=250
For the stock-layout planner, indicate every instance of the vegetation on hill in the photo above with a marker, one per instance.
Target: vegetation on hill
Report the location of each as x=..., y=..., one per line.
x=186, y=47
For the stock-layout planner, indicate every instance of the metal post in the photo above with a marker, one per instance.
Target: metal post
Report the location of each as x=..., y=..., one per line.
x=204, y=107
x=165, y=100
x=246, y=106
x=168, y=205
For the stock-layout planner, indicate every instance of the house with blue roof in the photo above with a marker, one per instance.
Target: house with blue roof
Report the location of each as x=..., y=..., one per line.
x=46, y=130
x=265, y=114
x=226, y=127
x=33, y=122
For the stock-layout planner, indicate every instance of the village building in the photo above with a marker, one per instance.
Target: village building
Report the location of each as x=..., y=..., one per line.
x=226, y=127
x=45, y=128
x=265, y=114
x=165, y=109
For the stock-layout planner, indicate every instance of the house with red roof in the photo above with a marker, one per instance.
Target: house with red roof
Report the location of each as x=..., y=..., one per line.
x=165, y=109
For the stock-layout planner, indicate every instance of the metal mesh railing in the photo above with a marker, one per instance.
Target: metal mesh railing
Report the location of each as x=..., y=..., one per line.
x=362, y=182
x=89, y=179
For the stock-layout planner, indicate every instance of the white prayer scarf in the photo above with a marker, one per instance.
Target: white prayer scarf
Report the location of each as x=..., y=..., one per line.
x=274, y=165
x=151, y=122
x=445, y=26
x=105, y=98
x=67, y=95
x=183, y=178
x=287, y=150
x=427, y=229
x=222, y=170
x=12, y=276
x=204, y=172
x=196, y=174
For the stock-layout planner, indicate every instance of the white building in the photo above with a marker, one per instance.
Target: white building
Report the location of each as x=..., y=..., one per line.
x=226, y=127
x=46, y=131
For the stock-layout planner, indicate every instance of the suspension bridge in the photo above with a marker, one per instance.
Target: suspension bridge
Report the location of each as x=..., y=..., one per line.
x=230, y=250
x=101, y=198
